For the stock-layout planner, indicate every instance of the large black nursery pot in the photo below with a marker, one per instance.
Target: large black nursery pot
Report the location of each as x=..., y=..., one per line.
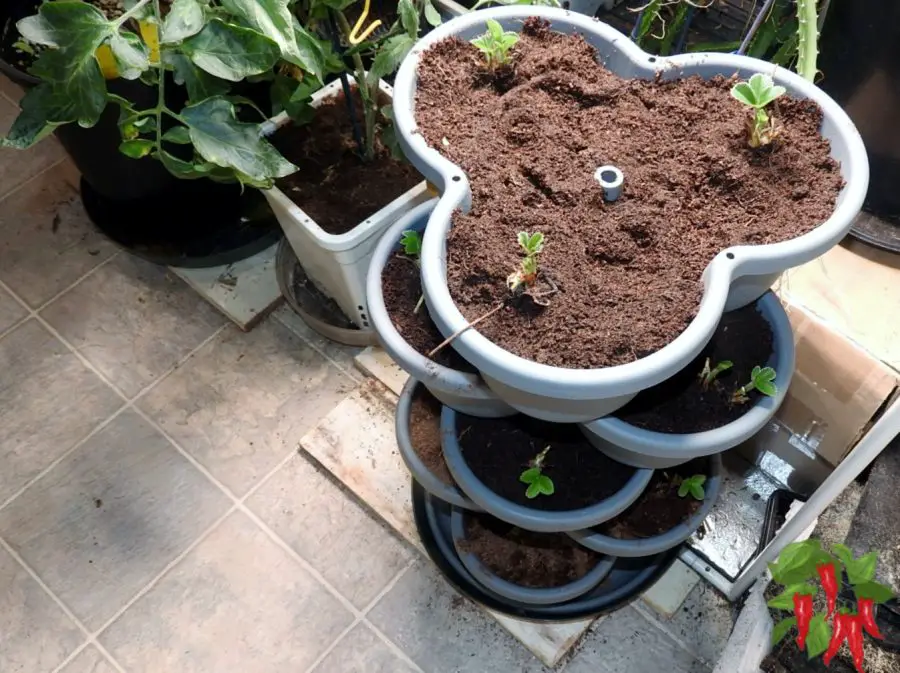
x=860, y=62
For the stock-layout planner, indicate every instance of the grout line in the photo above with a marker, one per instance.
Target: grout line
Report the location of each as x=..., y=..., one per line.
x=650, y=615
x=328, y=650
x=78, y=650
x=78, y=281
x=171, y=564
x=18, y=323
x=347, y=371
x=47, y=169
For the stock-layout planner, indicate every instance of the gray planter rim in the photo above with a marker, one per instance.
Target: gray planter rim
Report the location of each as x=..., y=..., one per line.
x=728, y=265
x=420, y=472
x=428, y=371
x=517, y=592
x=650, y=546
x=695, y=444
x=530, y=518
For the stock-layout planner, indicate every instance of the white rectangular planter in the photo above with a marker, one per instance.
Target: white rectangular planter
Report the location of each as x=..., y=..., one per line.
x=337, y=263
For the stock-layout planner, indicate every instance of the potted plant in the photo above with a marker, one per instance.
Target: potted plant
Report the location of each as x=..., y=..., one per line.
x=642, y=281
x=525, y=567
x=726, y=395
x=404, y=328
x=418, y=429
x=547, y=479
x=667, y=513
x=354, y=185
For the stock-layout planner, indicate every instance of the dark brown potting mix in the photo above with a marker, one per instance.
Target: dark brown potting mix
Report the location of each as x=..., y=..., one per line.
x=425, y=433
x=680, y=404
x=538, y=560
x=334, y=186
x=498, y=450
x=659, y=508
x=402, y=288
x=628, y=272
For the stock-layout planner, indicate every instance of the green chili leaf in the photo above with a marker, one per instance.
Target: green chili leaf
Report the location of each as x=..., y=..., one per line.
x=818, y=637
x=782, y=628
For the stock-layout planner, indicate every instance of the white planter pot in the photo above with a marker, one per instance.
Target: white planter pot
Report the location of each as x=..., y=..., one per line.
x=734, y=278
x=337, y=263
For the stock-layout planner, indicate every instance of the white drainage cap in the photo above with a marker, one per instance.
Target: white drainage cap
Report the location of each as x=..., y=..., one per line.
x=611, y=180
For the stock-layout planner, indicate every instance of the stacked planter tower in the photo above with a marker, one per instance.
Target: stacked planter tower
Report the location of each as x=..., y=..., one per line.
x=498, y=384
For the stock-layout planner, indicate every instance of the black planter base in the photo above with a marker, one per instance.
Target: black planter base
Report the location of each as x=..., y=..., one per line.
x=628, y=579
x=195, y=224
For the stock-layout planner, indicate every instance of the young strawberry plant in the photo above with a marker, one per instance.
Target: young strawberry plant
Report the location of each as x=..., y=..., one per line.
x=411, y=242
x=709, y=374
x=761, y=380
x=526, y=274
x=823, y=634
x=757, y=94
x=538, y=482
x=694, y=486
x=496, y=44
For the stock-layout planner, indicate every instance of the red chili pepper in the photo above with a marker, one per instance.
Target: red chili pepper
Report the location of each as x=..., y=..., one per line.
x=803, y=611
x=829, y=584
x=838, y=635
x=867, y=614
x=855, y=640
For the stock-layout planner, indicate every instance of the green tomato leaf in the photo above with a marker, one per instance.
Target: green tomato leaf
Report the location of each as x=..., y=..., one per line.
x=313, y=55
x=37, y=30
x=432, y=16
x=533, y=491
x=224, y=141
x=273, y=19
x=184, y=170
x=389, y=56
x=879, y=593
x=409, y=17
x=69, y=25
x=130, y=53
x=530, y=475
x=200, y=84
x=231, y=52
x=178, y=135
x=185, y=19
x=32, y=125
x=782, y=628
x=136, y=149
x=818, y=637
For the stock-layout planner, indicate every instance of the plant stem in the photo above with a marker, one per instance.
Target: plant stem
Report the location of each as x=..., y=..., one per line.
x=808, y=34
x=477, y=320
x=368, y=95
x=134, y=10
x=161, y=86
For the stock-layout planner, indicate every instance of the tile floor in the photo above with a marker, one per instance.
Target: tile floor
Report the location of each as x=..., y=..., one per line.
x=155, y=512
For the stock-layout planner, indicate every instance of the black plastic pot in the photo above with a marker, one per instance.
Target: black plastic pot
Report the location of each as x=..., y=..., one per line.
x=860, y=59
x=628, y=579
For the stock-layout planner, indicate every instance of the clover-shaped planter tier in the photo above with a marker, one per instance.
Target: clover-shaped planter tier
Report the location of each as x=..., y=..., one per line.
x=639, y=446
x=722, y=278
x=337, y=262
x=493, y=461
x=525, y=567
x=418, y=429
x=663, y=517
x=461, y=389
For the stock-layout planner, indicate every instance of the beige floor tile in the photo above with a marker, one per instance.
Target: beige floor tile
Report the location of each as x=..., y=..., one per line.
x=361, y=651
x=35, y=634
x=49, y=401
x=109, y=518
x=445, y=633
x=626, y=641
x=18, y=166
x=325, y=526
x=241, y=404
x=703, y=623
x=10, y=311
x=238, y=602
x=133, y=320
x=89, y=660
x=46, y=239
x=341, y=354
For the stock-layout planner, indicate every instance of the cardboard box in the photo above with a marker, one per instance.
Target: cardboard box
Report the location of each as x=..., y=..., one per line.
x=837, y=391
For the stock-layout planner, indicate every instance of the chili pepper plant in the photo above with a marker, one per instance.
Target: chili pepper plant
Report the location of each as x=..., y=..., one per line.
x=804, y=568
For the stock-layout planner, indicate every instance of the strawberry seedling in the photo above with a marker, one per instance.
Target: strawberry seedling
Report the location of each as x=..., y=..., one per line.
x=761, y=379
x=757, y=93
x=538, y=482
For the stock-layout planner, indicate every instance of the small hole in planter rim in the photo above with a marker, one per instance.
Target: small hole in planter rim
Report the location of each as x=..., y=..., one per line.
x=652, y=59
x=456, y=178
x=729, y=255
